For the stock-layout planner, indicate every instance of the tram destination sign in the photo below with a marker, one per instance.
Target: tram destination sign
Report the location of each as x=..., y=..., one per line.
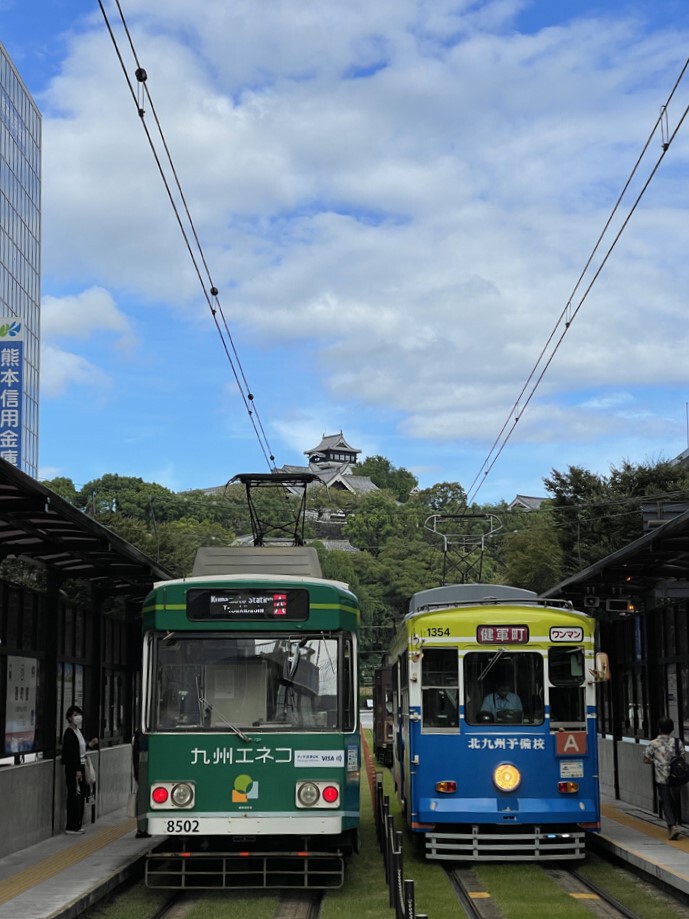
x=502, y=634
x=248, y=604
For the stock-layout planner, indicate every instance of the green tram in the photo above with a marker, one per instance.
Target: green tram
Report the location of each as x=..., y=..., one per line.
x=250, y=757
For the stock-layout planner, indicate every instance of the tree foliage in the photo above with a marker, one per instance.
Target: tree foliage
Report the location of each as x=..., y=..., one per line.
x=395, y=550
x=533, y=556
x=596, y=515
x=398, y=481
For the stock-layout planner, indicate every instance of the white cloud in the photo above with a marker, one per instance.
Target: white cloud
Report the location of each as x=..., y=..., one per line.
x=60, y=369
x=78, y=318
x=407, y=190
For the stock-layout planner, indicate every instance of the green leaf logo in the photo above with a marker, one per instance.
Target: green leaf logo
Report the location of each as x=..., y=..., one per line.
x=10, y=329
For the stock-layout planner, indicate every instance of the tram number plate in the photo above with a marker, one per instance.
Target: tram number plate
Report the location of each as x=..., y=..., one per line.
x=182, y=826
x=560, y=633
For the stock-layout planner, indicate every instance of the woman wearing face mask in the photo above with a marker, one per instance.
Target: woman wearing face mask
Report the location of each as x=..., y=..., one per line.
x=74, y=749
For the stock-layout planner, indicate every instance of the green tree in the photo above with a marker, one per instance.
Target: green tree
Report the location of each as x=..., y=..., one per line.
x=398, y=481
x=580, y=502
x=596, y=515
x=136, y=532
x=63, y=487
x=377, y=518
x=128, y=496
x=443, y=498
x=179, y=541
x=407, y=566
x=533, y=555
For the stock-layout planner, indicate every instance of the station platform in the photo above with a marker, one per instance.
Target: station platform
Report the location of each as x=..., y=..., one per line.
x=64, y=875
x=61, y=877
x=639, y=839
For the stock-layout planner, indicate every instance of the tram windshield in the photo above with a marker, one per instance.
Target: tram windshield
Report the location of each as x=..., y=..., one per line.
x=503, y=687
x=220, y=682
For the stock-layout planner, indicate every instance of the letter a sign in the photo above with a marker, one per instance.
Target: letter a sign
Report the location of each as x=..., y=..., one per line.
x=570, y=743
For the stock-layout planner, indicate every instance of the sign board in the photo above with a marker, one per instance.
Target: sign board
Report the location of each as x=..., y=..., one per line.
x=502, y=634
x=11, y=389
x=570, y=743
x=20, y=711
x=244, y=605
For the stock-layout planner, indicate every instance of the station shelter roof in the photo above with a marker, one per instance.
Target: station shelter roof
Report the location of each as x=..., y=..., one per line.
x=40, y=527
x=656, y=563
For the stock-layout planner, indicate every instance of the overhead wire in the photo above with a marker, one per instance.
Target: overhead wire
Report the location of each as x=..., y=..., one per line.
x=567, y=315
x=210, y=292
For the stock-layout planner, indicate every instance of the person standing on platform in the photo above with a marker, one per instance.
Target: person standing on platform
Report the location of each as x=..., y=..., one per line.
x=74, y=749
x=659, y=752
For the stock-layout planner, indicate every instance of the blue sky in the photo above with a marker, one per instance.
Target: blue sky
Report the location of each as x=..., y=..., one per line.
x=395, y=200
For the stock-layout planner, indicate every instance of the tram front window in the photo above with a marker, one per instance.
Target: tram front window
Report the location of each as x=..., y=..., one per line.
x=218, y=682
x=503, y=687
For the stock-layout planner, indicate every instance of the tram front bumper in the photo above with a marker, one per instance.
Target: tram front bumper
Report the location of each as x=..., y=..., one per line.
x=503, y=809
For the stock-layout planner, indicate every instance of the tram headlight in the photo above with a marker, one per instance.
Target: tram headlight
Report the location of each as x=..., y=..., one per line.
x=308, y=794
x=507, y=777
x=182, y=795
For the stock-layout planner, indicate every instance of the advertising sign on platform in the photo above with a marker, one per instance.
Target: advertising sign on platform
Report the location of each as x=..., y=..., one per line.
x=20, y=713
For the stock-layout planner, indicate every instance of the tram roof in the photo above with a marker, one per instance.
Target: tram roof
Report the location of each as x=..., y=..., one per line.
x=40, y=527
x=657, y=560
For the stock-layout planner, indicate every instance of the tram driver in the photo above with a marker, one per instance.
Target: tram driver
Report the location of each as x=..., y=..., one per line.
x=502, y=705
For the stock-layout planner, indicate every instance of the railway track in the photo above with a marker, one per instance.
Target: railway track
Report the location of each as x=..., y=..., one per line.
x=477, y=902
x=472, y=894
x=593, y=897
x=293, y=904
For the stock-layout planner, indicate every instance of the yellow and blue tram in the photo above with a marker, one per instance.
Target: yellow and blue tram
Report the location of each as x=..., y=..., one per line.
x=249, y=764
x=494, y=718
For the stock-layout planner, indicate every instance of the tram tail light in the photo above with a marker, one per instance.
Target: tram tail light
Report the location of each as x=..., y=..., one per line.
x=173, y=795
x=567, y=788
x=317, y=794
x=330, y=794
x=160, y=794
x=446, y=787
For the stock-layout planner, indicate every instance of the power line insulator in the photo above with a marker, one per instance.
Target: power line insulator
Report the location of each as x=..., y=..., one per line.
x=141, y=74
x=214, y=291
x=250, y=397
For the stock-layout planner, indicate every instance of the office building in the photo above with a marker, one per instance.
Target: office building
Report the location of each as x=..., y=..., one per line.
x=20, y=269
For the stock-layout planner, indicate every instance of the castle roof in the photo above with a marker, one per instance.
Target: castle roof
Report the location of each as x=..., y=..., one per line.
x=332, y=442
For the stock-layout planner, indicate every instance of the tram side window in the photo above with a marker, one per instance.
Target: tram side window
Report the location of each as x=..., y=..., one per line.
x=440, y=688
x=566, y=675
x=348, y=686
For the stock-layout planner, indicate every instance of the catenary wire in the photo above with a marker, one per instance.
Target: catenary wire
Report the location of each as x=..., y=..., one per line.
x=210, y=292
x=516, y=412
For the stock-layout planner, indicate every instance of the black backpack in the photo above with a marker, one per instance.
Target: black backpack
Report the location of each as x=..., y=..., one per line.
x=679, y=768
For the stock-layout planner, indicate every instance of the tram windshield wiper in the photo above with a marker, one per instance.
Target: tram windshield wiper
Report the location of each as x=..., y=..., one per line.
x=491, y=663
x=232, y=727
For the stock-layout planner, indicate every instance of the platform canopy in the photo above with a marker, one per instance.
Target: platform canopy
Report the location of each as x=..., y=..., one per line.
x=40, y=527
x=656, y=563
